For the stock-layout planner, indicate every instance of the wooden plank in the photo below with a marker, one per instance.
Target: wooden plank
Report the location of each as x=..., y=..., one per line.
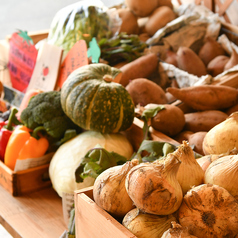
x=37, y=215
x=36, y=36
x=91, y=221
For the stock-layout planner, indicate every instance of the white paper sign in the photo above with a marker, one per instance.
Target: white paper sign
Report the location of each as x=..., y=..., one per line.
x=32, y=162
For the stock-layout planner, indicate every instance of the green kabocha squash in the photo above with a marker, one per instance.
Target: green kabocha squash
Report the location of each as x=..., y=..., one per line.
x=94, y=102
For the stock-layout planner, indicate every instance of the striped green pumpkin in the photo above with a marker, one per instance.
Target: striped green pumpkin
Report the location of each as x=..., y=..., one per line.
x=93, y=102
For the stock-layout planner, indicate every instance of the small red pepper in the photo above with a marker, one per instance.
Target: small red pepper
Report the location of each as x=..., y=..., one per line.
x=6, y=129
x=23, y=144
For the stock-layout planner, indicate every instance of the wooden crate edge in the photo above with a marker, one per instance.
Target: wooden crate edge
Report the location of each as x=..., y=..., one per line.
x=89, y=211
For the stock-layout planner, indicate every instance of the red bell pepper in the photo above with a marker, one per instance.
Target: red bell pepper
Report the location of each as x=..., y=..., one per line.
x=6, y=129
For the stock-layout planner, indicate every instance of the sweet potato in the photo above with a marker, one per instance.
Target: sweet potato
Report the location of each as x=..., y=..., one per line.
x=141, y=67
x=169, y=121
x=195, y=140
x=232, y=109
x=143, y=91
x=129, y=21
x=204, y=120
x=158, y=19
x=206, y=97
x=183, y=135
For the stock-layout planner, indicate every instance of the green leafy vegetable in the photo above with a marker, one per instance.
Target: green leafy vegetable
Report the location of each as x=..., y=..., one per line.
x=95, y=162
x=146, y=115
x=155, y=150
x=84, y=24
x=121, y=47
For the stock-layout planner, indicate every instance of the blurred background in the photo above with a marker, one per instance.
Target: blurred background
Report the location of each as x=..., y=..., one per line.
x=32, y=15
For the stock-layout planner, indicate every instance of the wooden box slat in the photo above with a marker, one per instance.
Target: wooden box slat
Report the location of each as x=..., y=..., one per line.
x=22, y=182
x=91, y=221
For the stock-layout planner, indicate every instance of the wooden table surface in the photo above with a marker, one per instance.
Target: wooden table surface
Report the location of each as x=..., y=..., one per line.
x=38, y=214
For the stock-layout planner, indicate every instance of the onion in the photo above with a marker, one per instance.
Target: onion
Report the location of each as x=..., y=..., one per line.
x=153, y=187
x=144, y=225
x=190, y=172
x=109, y=190
x=223, y=172
x=206, y=160
x=222, y=138
x=209, y=211
x=177, y=231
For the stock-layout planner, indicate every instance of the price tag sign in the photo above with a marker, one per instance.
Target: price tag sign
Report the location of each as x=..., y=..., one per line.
x=75, y=58
x=22, y=59
x=46, y=70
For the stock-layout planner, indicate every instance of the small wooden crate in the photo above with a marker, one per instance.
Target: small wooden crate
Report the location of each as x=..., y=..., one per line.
x=22, y=182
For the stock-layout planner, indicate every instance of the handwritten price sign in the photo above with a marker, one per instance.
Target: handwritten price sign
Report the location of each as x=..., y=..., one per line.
x=22, y=59
x=75, y=58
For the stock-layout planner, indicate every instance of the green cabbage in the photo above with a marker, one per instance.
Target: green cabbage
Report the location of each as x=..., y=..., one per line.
x=70, y=154
x=80, y=21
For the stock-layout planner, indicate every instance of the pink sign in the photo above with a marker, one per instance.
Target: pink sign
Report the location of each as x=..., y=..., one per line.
x=22, y=59
x=75, y=58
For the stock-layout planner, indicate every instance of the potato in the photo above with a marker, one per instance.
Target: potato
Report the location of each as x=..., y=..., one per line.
x=129, y=23
x=183, y=135
x=206, y=97
x=216, y=65
x=142, y=8
x=158, y=19
x=203, y=120
x=143, y=91
x=210, y=49
x=169, y=121
x=232, y=109
x=196, y=140
x=142, y=67
x=189, y=61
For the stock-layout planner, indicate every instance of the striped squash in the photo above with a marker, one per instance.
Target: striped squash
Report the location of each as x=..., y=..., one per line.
x=94, y=102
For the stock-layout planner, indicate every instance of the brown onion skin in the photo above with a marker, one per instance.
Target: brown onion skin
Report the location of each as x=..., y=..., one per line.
x=109, y=190
x=151, y=191
x=209, y=211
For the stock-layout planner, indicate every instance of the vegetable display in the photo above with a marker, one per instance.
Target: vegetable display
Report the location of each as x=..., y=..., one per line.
x=91, y=99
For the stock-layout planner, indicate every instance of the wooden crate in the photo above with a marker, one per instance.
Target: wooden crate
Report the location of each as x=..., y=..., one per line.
x=22, y=182
x=91, y=221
